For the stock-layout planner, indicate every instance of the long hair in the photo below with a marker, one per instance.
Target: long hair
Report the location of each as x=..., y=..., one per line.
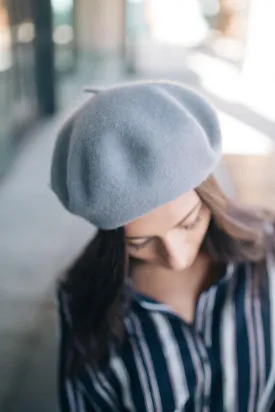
x=95, y=285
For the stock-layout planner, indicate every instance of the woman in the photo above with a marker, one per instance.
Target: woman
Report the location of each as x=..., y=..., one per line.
x=172, y=306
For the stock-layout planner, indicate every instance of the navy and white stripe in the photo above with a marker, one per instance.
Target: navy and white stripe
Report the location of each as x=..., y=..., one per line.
x=223, y=361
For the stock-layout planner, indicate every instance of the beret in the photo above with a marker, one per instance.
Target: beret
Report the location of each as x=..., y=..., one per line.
x=132, y=148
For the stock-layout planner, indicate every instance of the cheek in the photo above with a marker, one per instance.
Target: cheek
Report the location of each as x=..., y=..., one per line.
x=193, y=246
x=195, y=239
x=203, y=227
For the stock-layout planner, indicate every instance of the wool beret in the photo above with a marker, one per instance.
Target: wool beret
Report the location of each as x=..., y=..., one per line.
x=132, y=148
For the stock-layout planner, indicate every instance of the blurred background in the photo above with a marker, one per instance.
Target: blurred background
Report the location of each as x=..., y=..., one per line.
x=50, y=50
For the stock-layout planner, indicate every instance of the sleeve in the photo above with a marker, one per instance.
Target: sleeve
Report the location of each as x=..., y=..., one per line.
x=90, y=392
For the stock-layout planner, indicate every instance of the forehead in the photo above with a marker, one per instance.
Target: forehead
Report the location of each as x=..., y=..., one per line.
x=163, y=218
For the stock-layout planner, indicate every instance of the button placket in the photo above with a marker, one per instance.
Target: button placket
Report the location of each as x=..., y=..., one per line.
x=203, y=353
x=199, y=313
x=209, y=317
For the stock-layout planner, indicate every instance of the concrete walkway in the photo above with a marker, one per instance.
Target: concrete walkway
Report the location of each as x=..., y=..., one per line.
x=38, y=239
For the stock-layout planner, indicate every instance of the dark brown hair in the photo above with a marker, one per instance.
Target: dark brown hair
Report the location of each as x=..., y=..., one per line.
x=95, y=285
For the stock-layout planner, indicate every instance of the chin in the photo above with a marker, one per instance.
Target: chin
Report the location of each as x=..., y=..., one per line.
x=180, y=269
x=175, y=268
x=184, y=267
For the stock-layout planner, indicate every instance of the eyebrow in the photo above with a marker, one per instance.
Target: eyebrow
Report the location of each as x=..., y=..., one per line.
x=178, y=224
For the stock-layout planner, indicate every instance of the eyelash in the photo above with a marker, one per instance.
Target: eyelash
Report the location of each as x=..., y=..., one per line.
x=193, y=224
x=186, y=227
x=138, y=247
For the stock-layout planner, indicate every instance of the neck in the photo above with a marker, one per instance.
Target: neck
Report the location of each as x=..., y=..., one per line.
x=159, y=282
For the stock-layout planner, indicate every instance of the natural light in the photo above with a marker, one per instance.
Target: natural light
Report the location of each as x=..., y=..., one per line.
x=242, y=139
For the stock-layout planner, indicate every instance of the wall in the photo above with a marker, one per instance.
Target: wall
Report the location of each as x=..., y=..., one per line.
x=100, y=26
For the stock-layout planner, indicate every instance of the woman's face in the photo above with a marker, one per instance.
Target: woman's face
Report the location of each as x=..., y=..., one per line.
x=171, y=235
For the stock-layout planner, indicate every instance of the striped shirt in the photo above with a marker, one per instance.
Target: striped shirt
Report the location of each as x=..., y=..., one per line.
x=224, y=361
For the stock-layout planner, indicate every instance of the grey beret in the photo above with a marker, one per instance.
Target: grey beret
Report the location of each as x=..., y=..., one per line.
x=132, y=148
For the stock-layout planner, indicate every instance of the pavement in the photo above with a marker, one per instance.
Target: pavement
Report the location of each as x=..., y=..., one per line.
x=38, y=239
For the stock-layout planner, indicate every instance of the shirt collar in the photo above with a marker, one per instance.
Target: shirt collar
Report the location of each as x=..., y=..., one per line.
x=152, y=304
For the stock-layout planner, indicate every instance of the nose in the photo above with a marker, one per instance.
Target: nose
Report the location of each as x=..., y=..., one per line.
x=174, y=253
